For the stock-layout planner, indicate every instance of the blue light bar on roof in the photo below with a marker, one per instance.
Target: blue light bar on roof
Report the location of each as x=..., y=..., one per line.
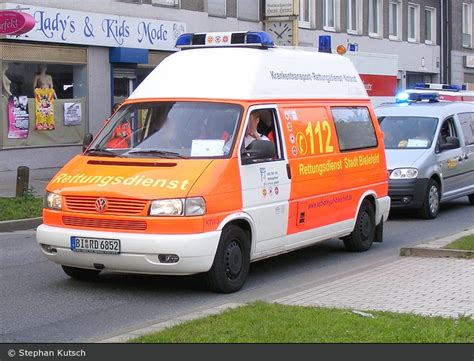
x=225, y=39
x=416, y=97
x=449, y=87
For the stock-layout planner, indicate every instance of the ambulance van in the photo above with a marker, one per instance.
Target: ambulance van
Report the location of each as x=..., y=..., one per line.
x=185, y=193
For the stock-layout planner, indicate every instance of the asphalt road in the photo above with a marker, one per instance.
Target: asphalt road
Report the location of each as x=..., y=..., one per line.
x=39, y=303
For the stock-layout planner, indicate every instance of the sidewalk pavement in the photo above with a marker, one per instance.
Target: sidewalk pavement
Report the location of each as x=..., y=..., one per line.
x=38, y=180
x=428, y=286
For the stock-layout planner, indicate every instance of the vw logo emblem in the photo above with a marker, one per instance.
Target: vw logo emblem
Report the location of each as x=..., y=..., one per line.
x=101, y=205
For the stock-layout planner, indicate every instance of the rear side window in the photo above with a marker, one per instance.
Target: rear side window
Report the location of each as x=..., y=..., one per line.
x=354, y=128
x=467, y=126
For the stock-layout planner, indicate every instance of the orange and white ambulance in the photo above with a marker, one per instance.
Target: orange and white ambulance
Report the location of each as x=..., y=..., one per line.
x=186, y=196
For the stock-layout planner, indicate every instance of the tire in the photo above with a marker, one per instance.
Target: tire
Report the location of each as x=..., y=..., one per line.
x=430, y=208
x=363, y=235
x=471, y=199
x=81, y=273
x=231, y=263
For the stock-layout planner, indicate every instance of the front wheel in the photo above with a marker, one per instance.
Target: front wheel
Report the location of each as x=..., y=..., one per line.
x=363, y=235
x=430, y=208
x=231, y=263
x=81, y=273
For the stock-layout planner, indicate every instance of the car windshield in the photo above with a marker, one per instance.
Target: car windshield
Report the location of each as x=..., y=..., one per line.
x=408, y=132
x=169, y=130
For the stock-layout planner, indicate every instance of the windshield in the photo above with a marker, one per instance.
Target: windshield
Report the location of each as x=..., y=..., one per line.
x=169, y=130
x=408, y=132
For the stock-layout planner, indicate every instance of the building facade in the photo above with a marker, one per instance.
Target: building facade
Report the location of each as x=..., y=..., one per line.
x=97, y=52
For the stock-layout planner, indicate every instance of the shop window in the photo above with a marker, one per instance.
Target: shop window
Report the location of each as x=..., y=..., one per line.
x=42, y=104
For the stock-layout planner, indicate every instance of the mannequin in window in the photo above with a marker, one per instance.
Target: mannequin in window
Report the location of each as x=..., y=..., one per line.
x=43, y=80
x=6, y=82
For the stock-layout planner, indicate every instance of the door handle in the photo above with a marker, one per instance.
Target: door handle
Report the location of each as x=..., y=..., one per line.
x=460, y=158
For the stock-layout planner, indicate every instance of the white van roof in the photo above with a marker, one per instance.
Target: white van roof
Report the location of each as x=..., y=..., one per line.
x=248, y=73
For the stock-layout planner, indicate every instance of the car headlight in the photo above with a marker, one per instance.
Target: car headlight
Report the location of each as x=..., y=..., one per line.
x=404, y=173
x=178, y=207
x=52, y=200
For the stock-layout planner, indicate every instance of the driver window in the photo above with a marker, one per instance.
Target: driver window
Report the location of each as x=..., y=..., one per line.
x=262, y=125
x=448, y=129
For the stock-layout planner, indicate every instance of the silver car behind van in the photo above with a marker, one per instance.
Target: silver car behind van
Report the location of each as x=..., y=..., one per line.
x=430, y=153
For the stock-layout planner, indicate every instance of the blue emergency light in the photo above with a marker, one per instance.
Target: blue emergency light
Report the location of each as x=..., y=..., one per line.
x=325, y=44
x=405, y=97
x=215, y=39
x=449, y=87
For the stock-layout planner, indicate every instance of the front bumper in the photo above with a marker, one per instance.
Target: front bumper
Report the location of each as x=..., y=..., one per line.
x=139, y=252
x=407, y=193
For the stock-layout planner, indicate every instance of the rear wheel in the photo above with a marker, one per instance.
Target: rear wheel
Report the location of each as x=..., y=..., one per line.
x=363, y=235
x=231, y=263
x=471, y=199
x=81, y=273
x=430, y=208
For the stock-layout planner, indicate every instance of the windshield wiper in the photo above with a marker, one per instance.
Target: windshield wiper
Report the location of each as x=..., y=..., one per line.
x=102, y=152
x=157, y=152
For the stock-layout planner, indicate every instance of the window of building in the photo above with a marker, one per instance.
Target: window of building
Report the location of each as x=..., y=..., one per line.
x=165, y=2
x=354, y=11
x=217, y=8
x=354, y=128
x=413, y=21
x=375, y=18
x=394, y=20
x=306, y=13
x=44, y=104
x=248, y=10
x=330, y=15
x=430, y=26
x=466, y=25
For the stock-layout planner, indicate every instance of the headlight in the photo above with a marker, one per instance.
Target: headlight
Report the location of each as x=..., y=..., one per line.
x=404, y=173
x=178, y=207
x=166, y=207
x=52, y=201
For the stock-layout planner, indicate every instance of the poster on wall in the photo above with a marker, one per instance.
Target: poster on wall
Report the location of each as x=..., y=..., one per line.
x=72, y=113
x=44, y=109
x=18, y=118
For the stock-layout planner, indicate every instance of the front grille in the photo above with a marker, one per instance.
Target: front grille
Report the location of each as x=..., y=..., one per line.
x=114, y=205
x=104, y=223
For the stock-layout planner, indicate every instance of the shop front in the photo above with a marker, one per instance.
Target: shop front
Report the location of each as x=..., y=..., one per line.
x=61, y=78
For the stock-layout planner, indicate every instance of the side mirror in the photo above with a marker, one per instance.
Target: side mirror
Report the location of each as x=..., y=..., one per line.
x=451, y=143
x=88, y=137
x=258, y=150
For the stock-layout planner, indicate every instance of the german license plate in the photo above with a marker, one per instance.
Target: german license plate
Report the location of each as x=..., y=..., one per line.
x=95, y=245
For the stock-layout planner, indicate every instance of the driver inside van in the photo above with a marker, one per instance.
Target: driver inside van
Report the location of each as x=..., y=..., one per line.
x=251, y=133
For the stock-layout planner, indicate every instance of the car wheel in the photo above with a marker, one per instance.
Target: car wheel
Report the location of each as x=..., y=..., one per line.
x=231, y=263
x=81, y=273
x=471, y=199
x=363, y=235
x=430, y=208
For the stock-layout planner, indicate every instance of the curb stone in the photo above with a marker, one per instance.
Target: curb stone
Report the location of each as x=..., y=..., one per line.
x=160, y=326
x=436, y=248
x=20, y=224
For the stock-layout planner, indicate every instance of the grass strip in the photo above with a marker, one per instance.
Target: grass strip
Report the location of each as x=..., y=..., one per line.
x=464, y=243
x=261, y=322
x=20, y=207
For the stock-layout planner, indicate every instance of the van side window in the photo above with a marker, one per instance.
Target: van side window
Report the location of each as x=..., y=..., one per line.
x=448, y=129
x=467, y=126
x=267, y=130
x=354, y=128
